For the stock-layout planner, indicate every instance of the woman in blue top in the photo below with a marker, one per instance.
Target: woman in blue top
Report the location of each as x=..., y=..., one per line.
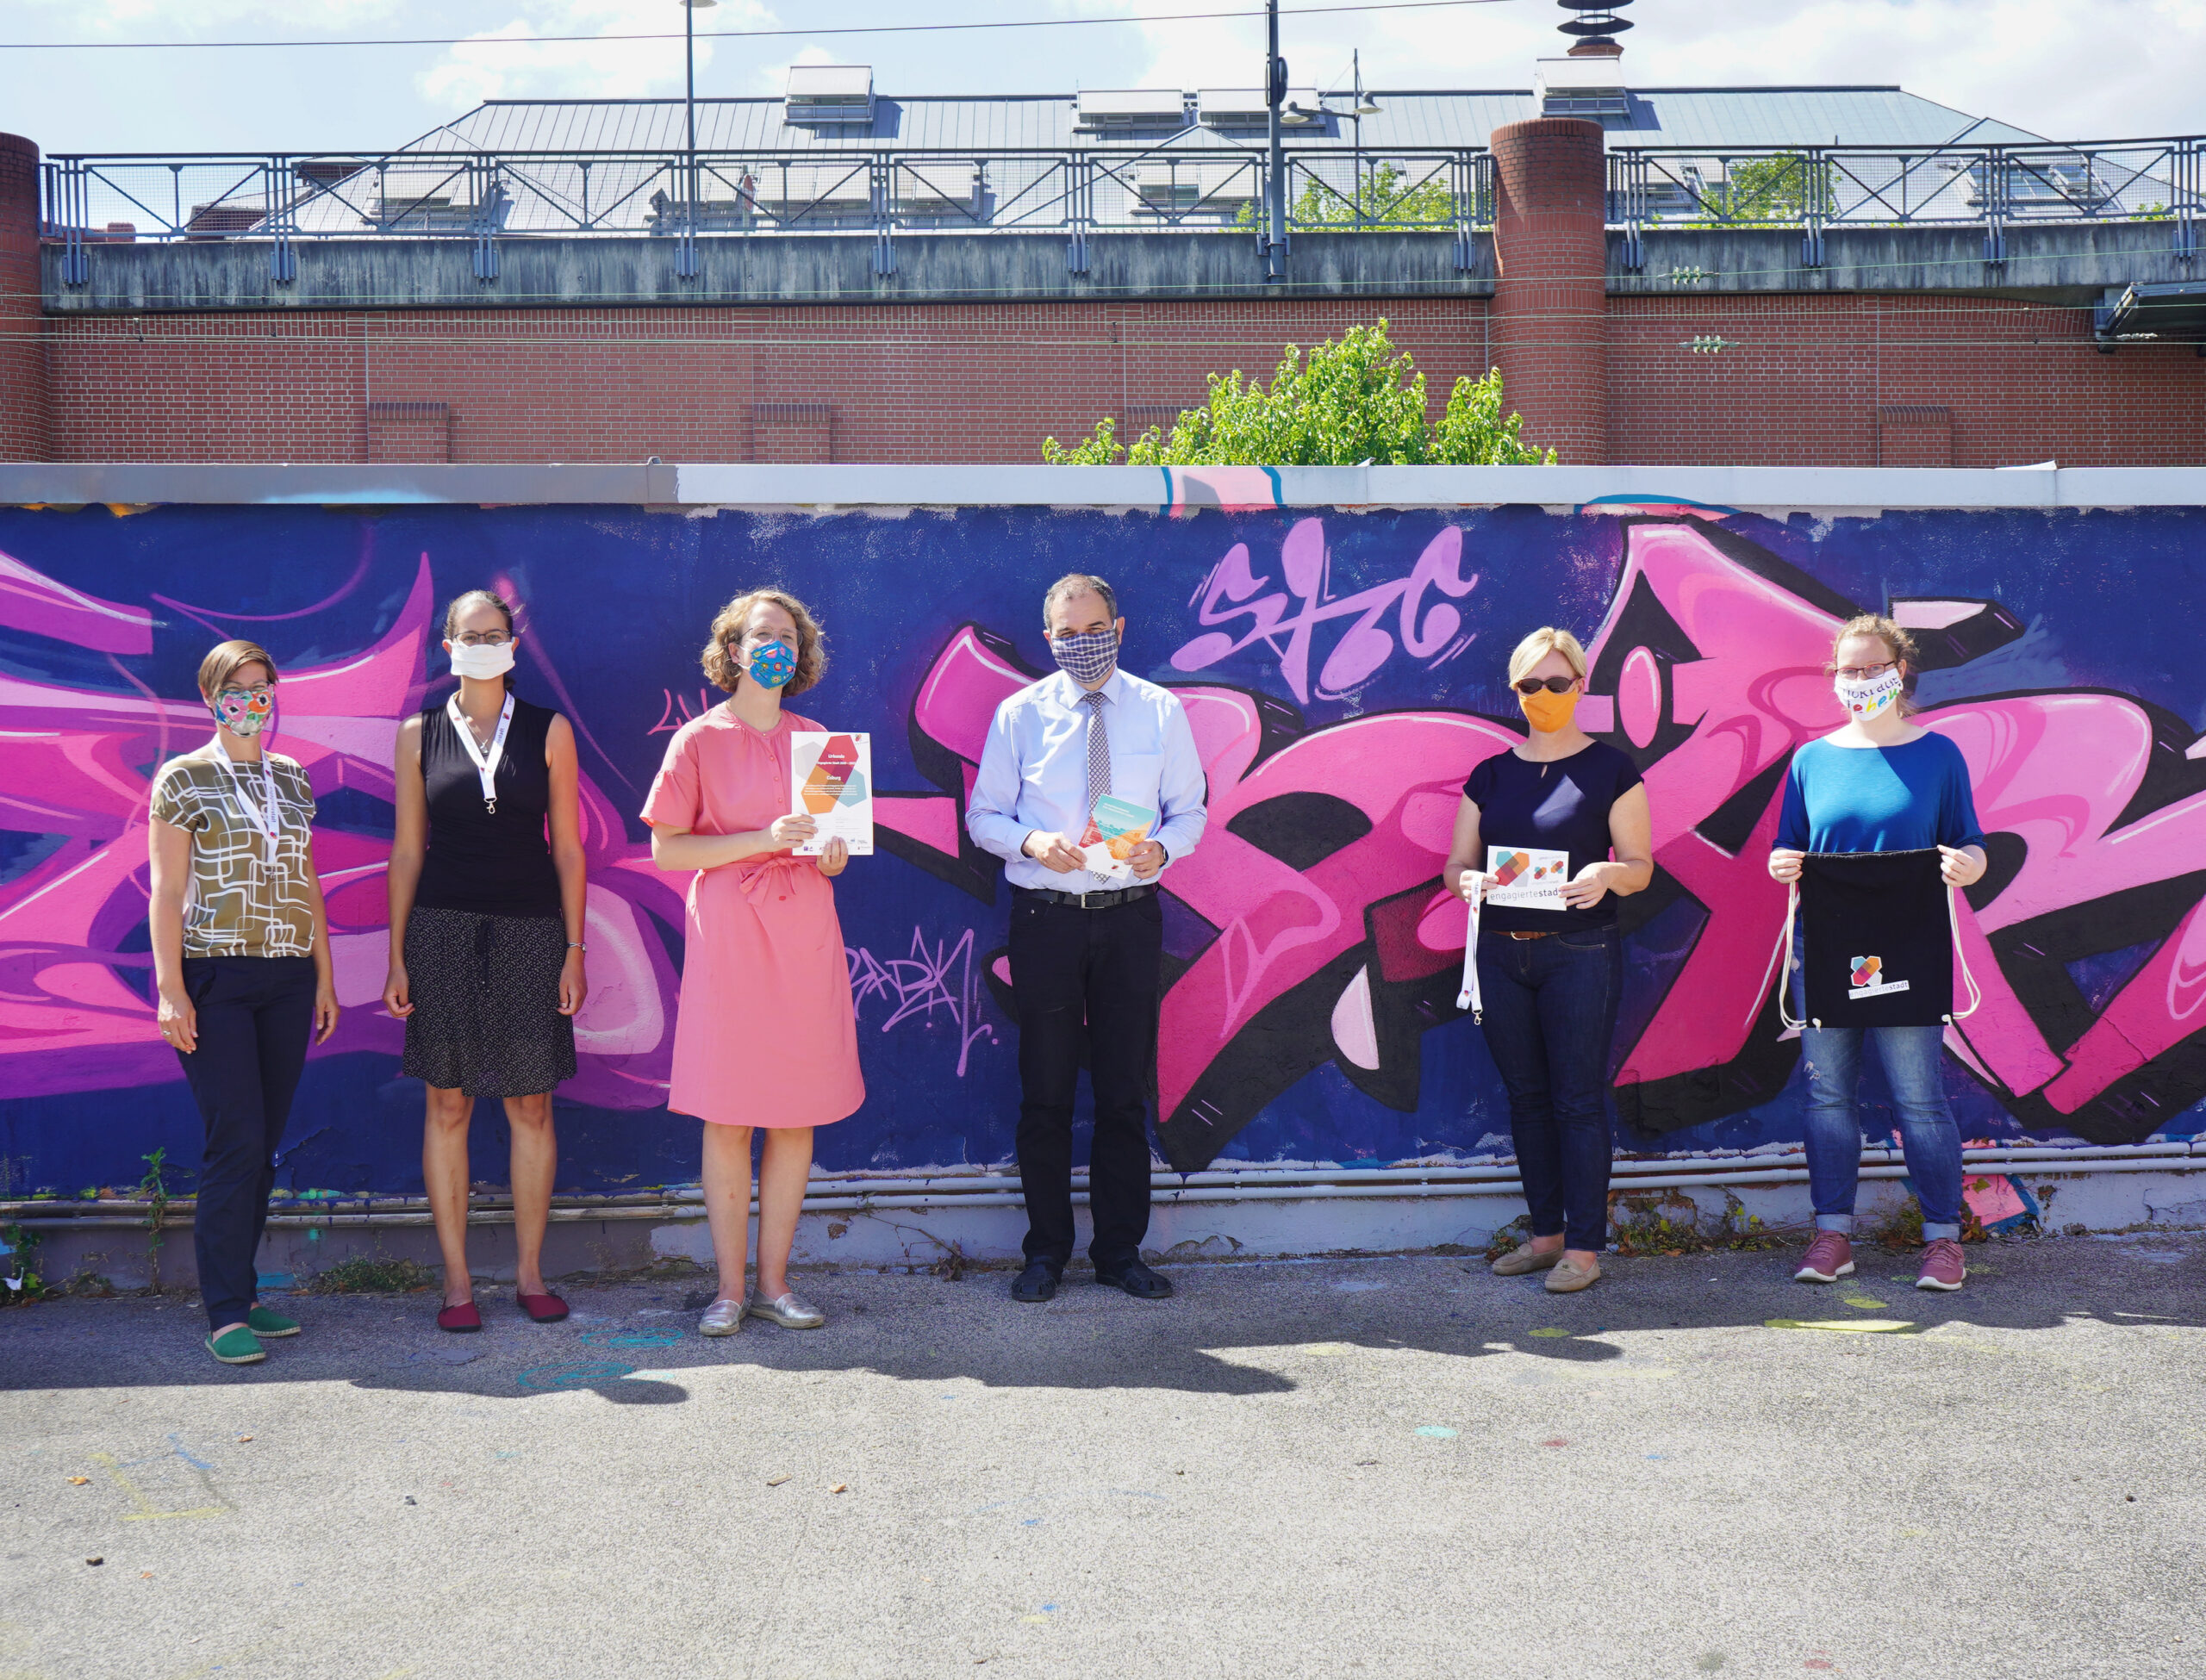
x=1881, y=784
x=1551, y=976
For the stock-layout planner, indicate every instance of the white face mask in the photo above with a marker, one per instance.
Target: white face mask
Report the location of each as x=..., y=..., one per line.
x=484, y=662
x=1869, y=697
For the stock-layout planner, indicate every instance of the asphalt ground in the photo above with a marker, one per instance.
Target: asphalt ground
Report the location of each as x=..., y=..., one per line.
x=1398, y=1468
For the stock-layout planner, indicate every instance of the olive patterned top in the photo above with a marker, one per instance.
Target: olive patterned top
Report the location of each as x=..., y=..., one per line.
x=248, y=895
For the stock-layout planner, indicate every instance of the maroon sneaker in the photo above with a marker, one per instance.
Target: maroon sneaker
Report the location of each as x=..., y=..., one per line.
x=1942, y=1266
x=1830, y=1258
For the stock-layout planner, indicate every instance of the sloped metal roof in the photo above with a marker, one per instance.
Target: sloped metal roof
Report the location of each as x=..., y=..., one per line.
x=1700, y=117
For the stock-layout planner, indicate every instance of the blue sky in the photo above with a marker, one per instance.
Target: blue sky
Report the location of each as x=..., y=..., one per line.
x=2107, y=68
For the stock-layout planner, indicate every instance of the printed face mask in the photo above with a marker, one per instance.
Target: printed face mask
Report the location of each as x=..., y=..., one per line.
x=1088, y=658
x=484, y=661
x=1869, y=698
x=772, y=664
x=1548, y=712
x=244, y=711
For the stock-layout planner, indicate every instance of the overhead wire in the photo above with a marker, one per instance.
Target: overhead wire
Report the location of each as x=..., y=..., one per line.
x=744, y=35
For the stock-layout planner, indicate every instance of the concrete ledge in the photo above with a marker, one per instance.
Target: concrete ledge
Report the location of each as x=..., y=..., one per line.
x=1180, y=489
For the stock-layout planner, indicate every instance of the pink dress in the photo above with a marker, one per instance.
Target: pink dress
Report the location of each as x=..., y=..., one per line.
x=766, y=1034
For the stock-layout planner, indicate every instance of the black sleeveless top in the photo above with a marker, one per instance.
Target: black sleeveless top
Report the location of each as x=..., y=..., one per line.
x=496, y=865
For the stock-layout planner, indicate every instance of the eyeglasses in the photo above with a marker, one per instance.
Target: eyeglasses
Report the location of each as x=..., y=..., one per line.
x=1554, y=685
x=1863, y=673
x=482, y=638
x=1068, y=632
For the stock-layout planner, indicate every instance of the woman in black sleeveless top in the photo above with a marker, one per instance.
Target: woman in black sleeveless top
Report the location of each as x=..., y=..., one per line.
x=486, y=936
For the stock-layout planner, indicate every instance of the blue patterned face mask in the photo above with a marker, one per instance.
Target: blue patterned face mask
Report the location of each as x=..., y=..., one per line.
x=772, y=664
x=1087, y=657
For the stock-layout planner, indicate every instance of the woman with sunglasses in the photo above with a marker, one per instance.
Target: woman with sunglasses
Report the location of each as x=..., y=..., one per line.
x=241, y=964
x=487, y=885
x=767, y=1036
x=1551, y=978
x=1879, y=783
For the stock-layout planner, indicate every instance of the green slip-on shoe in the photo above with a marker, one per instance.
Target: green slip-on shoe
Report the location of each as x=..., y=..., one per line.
x=263, y=1322
x=237, y=1346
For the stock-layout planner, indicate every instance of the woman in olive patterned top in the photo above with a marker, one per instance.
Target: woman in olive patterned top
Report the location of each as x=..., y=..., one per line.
x=241, y=959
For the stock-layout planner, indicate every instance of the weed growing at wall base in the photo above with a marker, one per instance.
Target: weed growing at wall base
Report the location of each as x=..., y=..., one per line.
x=372, y=1274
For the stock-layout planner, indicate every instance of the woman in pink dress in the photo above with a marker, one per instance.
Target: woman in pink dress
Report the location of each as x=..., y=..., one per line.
x=767, y=1036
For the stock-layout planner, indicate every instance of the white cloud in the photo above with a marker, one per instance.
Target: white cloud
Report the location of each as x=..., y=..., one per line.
x=2109, y=70
x=468, y=74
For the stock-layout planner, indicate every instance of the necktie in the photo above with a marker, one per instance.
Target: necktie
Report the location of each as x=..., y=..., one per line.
x=1099, y=748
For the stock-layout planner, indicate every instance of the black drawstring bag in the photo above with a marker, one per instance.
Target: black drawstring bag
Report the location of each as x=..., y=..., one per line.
x=1880, y=939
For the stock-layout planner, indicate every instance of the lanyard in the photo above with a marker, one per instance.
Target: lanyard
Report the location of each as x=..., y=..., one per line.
x=1468, y=997
x=486, y=765
x=267, y=817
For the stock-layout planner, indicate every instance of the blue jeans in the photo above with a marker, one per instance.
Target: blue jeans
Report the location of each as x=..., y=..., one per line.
x=1550, y=1012
x=1911, y=1058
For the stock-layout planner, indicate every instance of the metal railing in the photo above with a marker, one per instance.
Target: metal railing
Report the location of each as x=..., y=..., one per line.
x=487, y=198
x=1183, y=184
x=1815, y=187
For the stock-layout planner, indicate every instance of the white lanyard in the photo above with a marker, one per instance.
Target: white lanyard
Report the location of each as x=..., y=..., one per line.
x=486, y=765
x=1469, y=997
x=268, y=819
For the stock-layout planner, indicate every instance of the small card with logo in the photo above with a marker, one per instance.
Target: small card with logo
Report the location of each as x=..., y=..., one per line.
x=832, y=784
x=1108, y=842
x=1526, y=878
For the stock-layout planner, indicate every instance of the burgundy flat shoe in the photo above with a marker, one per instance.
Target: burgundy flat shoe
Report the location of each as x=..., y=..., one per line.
x=460, y=1318
x=544, y=1308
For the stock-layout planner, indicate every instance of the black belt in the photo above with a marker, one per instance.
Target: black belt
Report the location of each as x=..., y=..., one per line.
x=1088, y=900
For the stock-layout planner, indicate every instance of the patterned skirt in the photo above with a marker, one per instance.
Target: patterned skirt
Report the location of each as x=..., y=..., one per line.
x=486, y=1002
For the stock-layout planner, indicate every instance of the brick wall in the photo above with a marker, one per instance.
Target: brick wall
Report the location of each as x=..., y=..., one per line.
x=1804, y=380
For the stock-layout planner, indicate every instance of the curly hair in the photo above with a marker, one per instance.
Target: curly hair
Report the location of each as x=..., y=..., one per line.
x=1897, y=643
x=730, y=622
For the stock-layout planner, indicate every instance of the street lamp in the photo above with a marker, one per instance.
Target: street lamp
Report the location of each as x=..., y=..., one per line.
x=689, y=10
x=1275, y=183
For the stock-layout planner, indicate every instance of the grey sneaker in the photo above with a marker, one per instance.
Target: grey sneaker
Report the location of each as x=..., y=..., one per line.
x=1830, y=1258
x=723, y=1318
x=789, y=1310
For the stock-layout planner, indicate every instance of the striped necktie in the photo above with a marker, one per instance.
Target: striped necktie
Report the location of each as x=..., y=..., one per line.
x=1099, y=748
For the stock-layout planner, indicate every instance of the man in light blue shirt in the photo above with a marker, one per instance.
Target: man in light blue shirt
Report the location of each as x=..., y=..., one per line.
x=1087, y=950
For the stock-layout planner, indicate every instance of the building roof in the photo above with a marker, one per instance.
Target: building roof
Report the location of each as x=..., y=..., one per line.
x=1707, y=117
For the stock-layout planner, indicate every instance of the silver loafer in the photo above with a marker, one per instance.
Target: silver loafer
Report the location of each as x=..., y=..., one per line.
x=790, y=1310
x=722, y=1318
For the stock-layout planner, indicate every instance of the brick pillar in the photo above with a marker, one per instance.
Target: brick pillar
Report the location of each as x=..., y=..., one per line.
x=23, y=402
x=1550, y=303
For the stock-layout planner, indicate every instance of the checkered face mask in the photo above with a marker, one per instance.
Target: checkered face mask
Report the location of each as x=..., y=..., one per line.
x=1086, y=658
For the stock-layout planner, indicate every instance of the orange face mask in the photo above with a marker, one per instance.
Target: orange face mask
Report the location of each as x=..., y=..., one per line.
x=1548, y=712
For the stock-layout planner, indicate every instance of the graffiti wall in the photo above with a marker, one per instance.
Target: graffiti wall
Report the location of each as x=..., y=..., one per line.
x=1343, y=671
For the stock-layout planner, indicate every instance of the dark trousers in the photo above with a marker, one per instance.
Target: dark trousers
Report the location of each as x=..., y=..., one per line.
x=1086, y=976
x=1550, y=1012
x=256, y=1014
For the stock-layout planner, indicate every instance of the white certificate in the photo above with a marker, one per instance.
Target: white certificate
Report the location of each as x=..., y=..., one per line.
x=1526, y=878
x=831, y=781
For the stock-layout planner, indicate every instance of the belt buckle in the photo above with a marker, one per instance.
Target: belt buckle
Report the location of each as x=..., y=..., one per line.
x=1085, y=896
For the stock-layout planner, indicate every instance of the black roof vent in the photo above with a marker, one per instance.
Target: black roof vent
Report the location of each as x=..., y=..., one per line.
x=1594, y=31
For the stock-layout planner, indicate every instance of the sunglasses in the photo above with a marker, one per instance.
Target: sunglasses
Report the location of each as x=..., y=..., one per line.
x=1554, y=685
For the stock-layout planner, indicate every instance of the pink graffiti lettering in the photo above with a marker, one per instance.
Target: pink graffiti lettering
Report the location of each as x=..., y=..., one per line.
x=941, y=977
x=1430, y=632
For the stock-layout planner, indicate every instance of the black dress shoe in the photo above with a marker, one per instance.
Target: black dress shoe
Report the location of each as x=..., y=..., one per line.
x=1137, y=1279
x=1038, y=1282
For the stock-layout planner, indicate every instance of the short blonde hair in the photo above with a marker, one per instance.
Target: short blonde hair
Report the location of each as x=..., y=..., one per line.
x=1540, y=643
x=734, y=619
x=226, y=660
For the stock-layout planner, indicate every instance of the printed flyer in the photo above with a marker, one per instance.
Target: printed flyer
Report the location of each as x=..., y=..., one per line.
x=833, y=785
x=1118, y=826
x=1526, y=878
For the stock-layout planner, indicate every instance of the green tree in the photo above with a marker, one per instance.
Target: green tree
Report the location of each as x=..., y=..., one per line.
x=1387, y=201
x=1352, y=403
x=1780, y=191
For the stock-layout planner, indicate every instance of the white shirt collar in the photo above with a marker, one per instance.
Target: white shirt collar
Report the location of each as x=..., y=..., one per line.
x=1113, y=688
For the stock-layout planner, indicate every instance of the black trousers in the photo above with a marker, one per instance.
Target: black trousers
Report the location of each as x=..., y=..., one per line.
x=256, y=1015
x=1085, y=977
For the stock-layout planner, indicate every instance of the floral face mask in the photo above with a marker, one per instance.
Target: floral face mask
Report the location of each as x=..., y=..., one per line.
x=244, y=711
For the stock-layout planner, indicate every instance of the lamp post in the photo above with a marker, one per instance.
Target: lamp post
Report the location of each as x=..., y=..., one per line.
x=1364, y=106
x=1275, y=182
x=686, y=260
